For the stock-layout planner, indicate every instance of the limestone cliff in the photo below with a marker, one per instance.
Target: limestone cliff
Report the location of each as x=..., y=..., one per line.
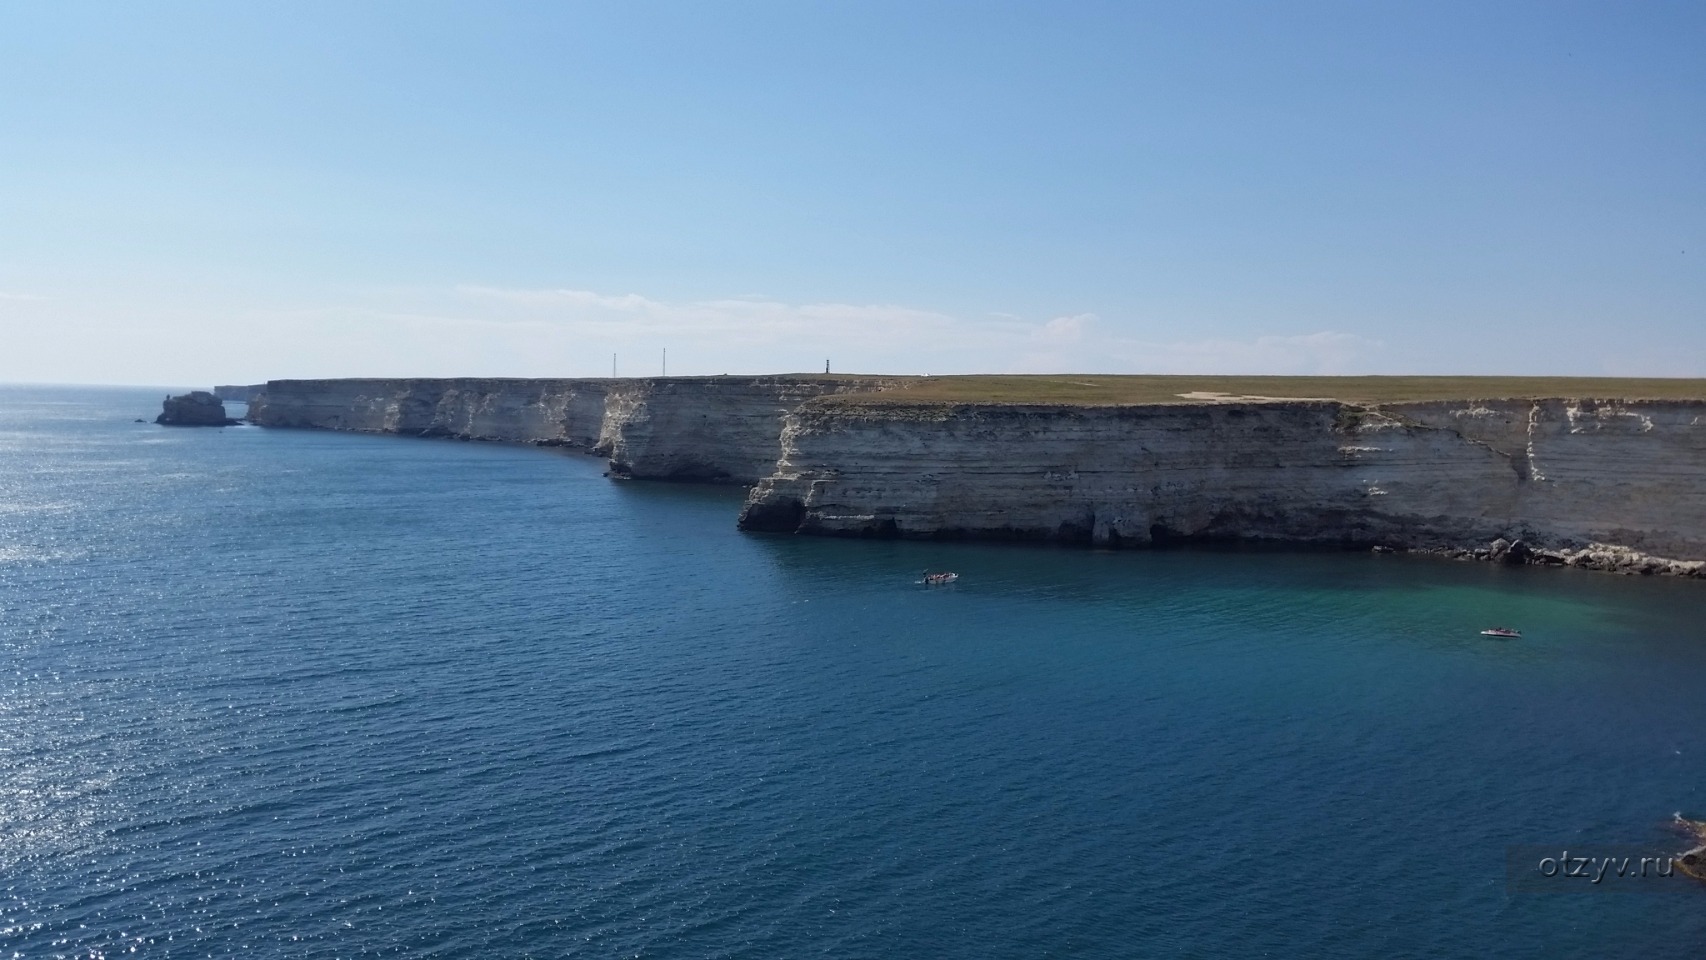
x=707, y=429
x=1611, y=484
x=1614, y=484
x=569, y=412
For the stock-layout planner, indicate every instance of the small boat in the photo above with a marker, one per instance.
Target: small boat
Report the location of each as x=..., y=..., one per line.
x=1504, y=633
x=937, y=579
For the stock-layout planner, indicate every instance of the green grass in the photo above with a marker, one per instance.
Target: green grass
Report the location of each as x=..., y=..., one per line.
x=1098, y=389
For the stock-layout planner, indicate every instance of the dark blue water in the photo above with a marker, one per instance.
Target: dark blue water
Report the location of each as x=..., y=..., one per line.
x=299, y=694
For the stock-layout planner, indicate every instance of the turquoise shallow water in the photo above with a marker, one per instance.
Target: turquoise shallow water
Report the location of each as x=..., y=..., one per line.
x=299, y=694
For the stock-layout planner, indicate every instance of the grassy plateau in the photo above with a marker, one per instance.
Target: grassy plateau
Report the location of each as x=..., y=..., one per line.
x=1105, y=389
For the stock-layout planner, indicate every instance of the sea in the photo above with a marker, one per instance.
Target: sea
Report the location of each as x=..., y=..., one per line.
x=283, y=693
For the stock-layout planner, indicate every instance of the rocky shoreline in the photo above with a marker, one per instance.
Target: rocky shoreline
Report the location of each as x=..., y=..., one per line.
x=1602, y=557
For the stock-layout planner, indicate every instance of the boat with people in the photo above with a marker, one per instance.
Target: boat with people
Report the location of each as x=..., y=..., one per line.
x=938, y=579
x=1504, y=633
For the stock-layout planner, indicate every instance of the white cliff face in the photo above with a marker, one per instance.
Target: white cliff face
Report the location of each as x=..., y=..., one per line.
x=1597, y=483
x=561, y=411
x=1620, y=473
x=709, y=429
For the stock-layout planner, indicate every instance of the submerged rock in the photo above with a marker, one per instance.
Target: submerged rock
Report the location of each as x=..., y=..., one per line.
x=195, y=409
x=1692, y=862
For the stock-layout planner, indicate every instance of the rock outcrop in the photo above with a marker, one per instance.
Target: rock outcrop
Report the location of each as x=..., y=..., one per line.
x=702, y=429
x=1692, y=862
x=1596, y=483
x=195, y=409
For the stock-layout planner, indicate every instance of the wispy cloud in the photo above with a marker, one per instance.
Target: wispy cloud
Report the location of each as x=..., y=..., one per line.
x=899, y=338
x=24, y=297
x=746, y=319
x=475, y=330
x=1065, y=329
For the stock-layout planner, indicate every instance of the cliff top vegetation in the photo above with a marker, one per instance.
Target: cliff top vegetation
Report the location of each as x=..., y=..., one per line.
x=1097, y=389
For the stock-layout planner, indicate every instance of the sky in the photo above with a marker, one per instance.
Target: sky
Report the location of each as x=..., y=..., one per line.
x=223, y=192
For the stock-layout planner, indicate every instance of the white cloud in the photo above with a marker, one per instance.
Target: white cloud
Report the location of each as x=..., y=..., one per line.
x=889, y=337
x=491, y=331
x=1065, y=329
x=749, y=319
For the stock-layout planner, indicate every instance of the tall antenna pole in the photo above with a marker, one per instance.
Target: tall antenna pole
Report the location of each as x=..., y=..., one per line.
x=613, y=366
x=666, y=361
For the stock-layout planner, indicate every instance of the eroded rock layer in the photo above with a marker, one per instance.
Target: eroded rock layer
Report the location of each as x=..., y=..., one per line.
x=1597, y=483
x=707, y=429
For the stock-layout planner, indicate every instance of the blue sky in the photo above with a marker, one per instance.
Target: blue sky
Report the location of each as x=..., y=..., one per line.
x=201, y=192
